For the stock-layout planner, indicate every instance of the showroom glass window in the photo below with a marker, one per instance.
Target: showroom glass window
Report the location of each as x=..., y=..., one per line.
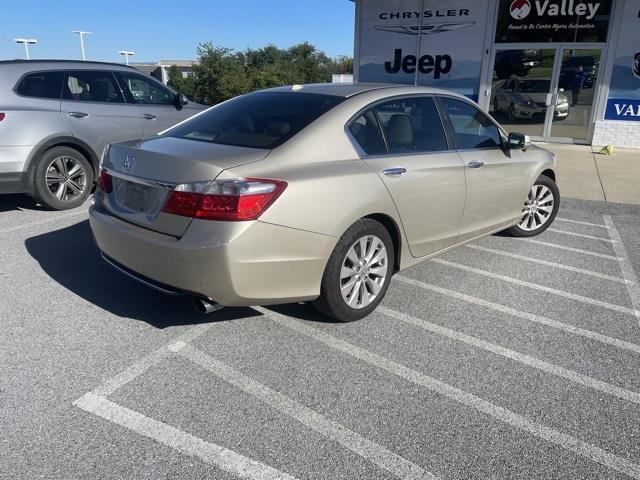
x=472, y=128
x=41, y=85
x=544, y=21
x=412, y=125
x=92, y=86
x=145, y=91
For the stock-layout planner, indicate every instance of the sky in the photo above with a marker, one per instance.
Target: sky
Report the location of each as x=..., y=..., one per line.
x=171, y=30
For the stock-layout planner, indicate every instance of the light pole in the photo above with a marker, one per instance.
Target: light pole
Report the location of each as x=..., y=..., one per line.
x=126, y=54
x=82, y=34
x=26, y=42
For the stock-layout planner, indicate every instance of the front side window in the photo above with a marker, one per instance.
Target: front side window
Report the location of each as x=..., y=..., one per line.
x=412, y=125
x=258, y=120
x=41, y=85
x=366, y=131
x=472, y=128
x=92, y=86
x=146, y=91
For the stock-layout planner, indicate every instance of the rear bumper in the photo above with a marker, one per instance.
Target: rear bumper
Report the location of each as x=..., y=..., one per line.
x=232, y=263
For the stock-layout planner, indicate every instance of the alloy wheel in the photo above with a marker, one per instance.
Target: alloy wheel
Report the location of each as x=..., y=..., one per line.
x=66, y=178
x=537, y=208
x=363, y=272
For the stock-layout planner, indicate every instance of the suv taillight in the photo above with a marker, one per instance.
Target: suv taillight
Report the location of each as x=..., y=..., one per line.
x=104, y=182
x=2, y=115
x=229, y=200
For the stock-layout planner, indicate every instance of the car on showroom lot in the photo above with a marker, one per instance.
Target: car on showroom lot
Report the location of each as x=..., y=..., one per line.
x=526, y=99
x=56, y=117
x=315, y=193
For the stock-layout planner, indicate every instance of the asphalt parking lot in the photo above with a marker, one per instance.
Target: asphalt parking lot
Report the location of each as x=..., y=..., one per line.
x=506, y=358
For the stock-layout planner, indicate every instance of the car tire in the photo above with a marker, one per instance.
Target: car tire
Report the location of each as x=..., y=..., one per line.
x=543, y=193
x=367, y=281
x=511, y=113
x=62, y=178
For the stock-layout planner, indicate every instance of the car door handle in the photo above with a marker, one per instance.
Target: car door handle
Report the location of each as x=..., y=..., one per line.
x=476, y=164
x=148, y=116
x=78, y=114
x=394, y=172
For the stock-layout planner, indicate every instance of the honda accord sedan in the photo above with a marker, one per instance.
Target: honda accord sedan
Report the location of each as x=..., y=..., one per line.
x=315, y=193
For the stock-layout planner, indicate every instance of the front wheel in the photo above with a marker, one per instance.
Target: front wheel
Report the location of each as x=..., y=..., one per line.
x=358, y=272
x=539, y=210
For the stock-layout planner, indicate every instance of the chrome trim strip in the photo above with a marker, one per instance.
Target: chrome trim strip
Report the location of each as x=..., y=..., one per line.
x=144, y=181
x=138, y=279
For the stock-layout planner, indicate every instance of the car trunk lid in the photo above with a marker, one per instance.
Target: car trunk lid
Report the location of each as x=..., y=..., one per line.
x=143, y=174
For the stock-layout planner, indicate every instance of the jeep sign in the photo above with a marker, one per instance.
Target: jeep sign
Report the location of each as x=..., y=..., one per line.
x=439, y=45
x=553, y=21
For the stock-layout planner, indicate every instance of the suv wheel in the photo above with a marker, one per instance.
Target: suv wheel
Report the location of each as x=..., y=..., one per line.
x=62, y=179
x=358, y=272
x=539, y=210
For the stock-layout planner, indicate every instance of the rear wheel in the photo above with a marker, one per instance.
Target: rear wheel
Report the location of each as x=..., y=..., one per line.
x=62, y=178
x=539, y=210
x=358, y=272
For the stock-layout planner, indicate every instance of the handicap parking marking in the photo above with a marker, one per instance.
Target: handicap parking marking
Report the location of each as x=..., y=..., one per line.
x=541, y=365
x=369, y=450
x=179, y=440
x=531, y=317
x=535, y=286
x=633, y=288
x=470, y=400
x=539, y=261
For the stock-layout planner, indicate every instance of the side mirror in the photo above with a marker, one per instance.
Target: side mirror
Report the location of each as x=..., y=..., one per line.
x=181, y=100
x=517, y=141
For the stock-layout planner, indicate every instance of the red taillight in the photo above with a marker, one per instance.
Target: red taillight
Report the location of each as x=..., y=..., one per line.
x=2, y=115
x=104, y=182
x=228, y=200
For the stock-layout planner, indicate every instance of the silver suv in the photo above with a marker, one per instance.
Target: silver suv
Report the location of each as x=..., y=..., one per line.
x=56, y=117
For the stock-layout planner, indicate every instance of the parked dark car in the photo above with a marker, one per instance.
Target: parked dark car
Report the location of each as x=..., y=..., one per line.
x=516, y=62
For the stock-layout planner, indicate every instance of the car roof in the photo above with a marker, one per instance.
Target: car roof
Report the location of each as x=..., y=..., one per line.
x=350, y=89
x=56, y=63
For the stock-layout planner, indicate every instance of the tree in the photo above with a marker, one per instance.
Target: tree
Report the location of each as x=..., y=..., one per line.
x=179, y=83
x=342, y=64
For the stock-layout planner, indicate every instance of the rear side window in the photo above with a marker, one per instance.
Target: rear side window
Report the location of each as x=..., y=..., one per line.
x=92, y=86
x=412, y=125
x=366, y=131
x=472, y=128
x=258, y=120
x=41, y=85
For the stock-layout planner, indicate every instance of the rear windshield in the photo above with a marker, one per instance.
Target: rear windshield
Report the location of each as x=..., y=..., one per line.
x=258, y=120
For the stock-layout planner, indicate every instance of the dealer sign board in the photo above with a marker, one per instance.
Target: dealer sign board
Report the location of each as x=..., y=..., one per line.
x=553, y=21
x=624, y=90
x=432, y=42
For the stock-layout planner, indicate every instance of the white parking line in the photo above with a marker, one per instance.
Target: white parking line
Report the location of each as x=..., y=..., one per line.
x=367, y=449
x=589, y=224
x=539, y=261
x=535, y=286
x=116, y=382
x=628, y=272
x=570, y=249
x=546, y=367
x=581, y=235
x=183, y=442
x=502, y=414
x=53, y=218
x=565, y=327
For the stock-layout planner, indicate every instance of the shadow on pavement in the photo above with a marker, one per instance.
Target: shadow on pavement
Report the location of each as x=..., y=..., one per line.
x=302, y=311
x=70, y=257
x=19, y=202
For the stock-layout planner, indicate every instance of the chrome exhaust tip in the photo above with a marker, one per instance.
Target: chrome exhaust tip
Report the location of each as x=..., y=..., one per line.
x=205, y=306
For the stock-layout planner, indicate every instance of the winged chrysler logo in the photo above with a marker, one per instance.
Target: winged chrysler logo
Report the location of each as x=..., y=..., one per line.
x=129, y=162
x=428, y=29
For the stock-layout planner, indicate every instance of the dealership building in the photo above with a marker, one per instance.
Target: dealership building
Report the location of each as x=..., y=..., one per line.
x=557, y=70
